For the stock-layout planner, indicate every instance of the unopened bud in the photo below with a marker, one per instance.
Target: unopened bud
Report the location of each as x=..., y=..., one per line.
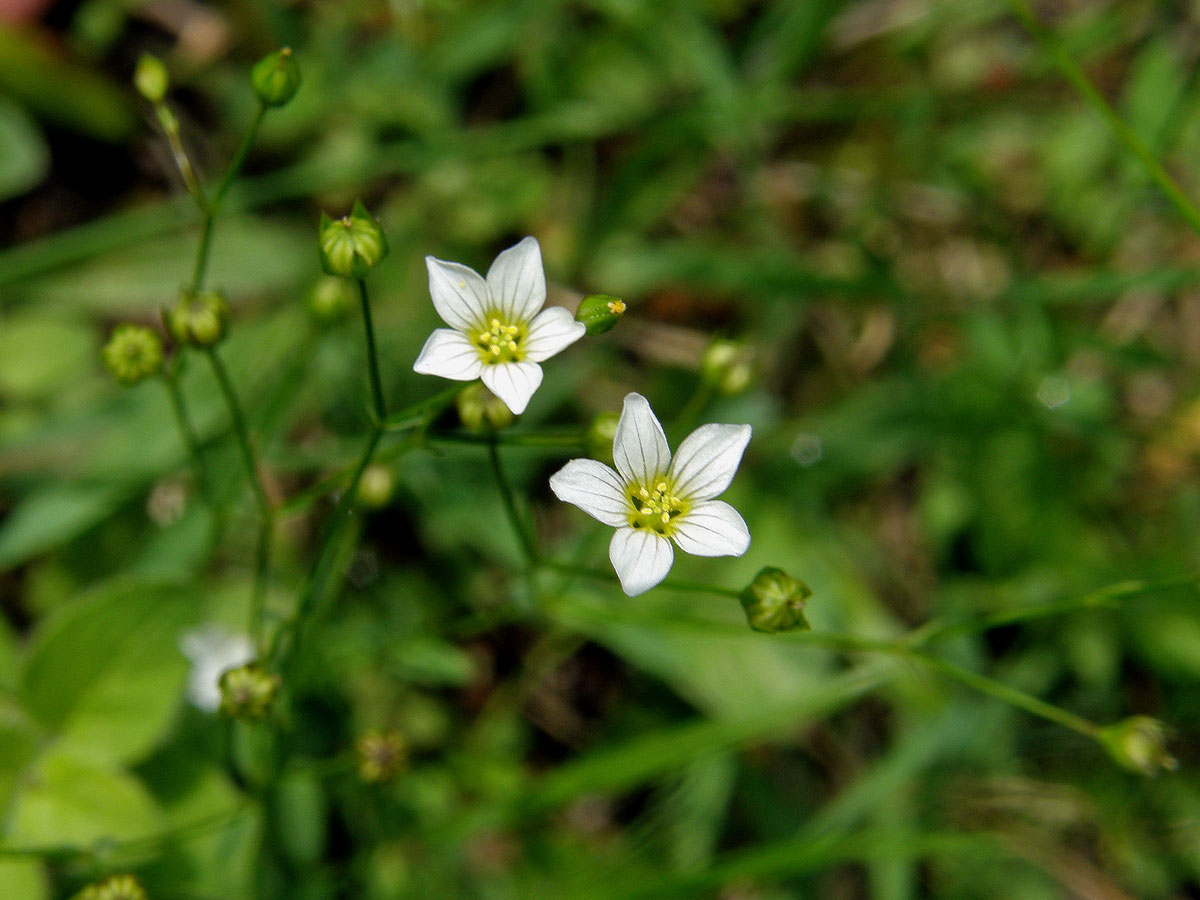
x=352, y=245
x=133, y=353
x=774, y=601
x=381, y=755
x=599, y=313
x=150, y=78
x=198, y=319
x=276, y=78
x=1139, y=744
x=376, y=486
x=331, y=299
x=728, y=366
x=115, y=887
x=482, y=411
x=248, y=691
x=600, y=436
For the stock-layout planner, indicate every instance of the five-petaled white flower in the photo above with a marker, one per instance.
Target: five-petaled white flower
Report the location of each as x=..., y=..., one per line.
x=653, y=499
x=496, y=332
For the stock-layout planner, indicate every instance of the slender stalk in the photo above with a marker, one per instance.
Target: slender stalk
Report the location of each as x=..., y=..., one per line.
x=372, y=359
x=266, y=525
x=190, y=440
x=422, y=412
x=1129, y=138
x=212, y=205
x=528, y=544
x=170, y=126
x=1002, y=692
x=323, y=569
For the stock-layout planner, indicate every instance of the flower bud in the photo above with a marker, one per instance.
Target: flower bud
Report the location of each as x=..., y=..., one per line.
x=600, y=436
x=133, y=353
x=599, y=313
x=331, y=299
x=115, y=887
x=774, y=601
x=728, y=366
x=276, y=78
x=381, y=756
x=198, y=319
x=352, y=245
x=150, y=78
x=482, y=411
x=248, y=691
x=376, y=486
x=1139, y=744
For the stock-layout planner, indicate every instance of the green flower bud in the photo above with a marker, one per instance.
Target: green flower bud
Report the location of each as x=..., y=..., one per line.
x=482, y=411
x=198, y=320
x=276, y=78
x=248, y=691
x=600, y=436
x=728, y=366
x=599, y=313
x=376, y=486
x=1139, y=744
x=150, y=78
x=331, y=299
x=115, y=887
x=381, y=756
x=774, y=601
x=133, y=353
x=352, y=245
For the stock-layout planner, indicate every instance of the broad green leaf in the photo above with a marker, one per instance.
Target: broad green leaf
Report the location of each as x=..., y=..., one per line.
x=23, y=879
x=67, y=801
x=105, y=676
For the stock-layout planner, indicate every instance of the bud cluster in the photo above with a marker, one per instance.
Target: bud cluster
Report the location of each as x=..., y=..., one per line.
x=352, y=245
x=1139, y=744
x=248, y=691
x=115, y=887
x=199, y=319
x=381, y=755
x=133, y=353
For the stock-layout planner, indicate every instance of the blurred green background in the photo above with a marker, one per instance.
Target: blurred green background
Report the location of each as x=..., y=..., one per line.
x=975, y=326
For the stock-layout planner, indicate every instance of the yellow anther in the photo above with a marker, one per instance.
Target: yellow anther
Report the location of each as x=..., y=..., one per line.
x=495, y=324
x=494, y=350
x=666, y=517
x=661, y=487
x=512, y=345
x=644, y=492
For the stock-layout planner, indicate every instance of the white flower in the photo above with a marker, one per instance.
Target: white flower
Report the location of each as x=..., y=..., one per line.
x=213, y=651
x=653, y=499
x=496, y=330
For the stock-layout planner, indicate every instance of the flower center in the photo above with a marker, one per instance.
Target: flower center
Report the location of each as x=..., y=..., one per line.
x=499, y=342
x=654, y=507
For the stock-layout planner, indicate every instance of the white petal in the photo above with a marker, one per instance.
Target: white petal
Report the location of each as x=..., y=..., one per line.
x=459, y=295
x=594, y=488
x=707, y=459
x=448, y=354
x=712, y=528
x=640, y=448
x=642, y=559
x=552, y=331
x=518, y=281
x=513, y=382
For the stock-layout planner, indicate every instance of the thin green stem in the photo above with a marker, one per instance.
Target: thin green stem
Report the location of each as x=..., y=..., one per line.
x=372, y=358
x=1129, y=138
x=266, y=525
x=422, y=412
x=240, y=431
x=170, y=126
x=1002, y=692
x=528, y=544
x=212, y=205
x=186, y=431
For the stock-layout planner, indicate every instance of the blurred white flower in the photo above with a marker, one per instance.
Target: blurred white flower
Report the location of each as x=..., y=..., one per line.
x=652, y=499
x=212, y=651
x=496, y=330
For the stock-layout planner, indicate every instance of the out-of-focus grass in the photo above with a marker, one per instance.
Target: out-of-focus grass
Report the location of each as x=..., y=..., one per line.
x=978, y=337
